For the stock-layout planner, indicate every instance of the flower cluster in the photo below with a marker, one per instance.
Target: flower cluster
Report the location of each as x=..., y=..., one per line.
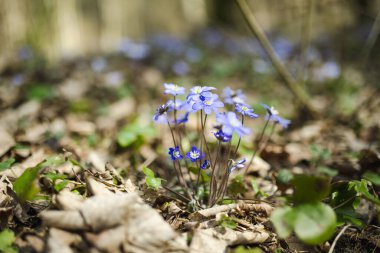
x=229, y=120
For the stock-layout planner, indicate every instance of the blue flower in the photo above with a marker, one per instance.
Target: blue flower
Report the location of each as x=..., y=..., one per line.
x=175, y=154
x=197, y=91
x=173, y=89
x=232, y=97
x=245, y=110
x=283, y=122
x=205, y=165
x=270, y=109
x=231, y=123
x=237, y=165
x=273, y=115
x=208, y=104
x=163, y=109
x=183, y=119
x=222, y=136
x=194, y=154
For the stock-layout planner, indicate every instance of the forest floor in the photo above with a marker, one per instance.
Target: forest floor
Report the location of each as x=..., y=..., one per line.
x=75, y=139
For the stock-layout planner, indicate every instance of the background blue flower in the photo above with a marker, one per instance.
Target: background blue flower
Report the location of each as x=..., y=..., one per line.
x=222, y=136
x=237, y=165
x=231, y=97
x=273, y=116
x=173, y=89
x=231, y=123
x=208, y=104
x=245, y=110
x=194, y=154
x=175, y=153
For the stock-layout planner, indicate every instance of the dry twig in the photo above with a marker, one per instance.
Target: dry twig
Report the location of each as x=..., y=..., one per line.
x=290, y=83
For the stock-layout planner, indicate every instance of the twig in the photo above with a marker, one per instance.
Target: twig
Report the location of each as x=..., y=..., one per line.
x=372, y=37
x=305, y=34
x=184, y=198
x=337, y=238
x=290, y=83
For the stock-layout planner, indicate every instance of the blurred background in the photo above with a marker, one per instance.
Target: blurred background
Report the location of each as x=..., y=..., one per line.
x=74, y=28
x=329, y=42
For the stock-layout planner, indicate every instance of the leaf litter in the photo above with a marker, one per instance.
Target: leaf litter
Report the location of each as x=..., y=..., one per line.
x=96, y=200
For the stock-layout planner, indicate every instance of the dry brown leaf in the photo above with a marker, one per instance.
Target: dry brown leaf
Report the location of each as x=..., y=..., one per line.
x=116, y=112
x=69, y=219
x=210, y=212
x=257, y=207
x=129, y=186
x=110, y=240
x=308, y=132
x=59, y=241
x=6, y=141
x=96, y=188
x=67, y=200
x=34, y=133
x=298, y=152
x=232, y=237
x=206, y=242
x=73, y=89
x=144, y=229
x=79, y=126
x=98, y=160
x=258, y=165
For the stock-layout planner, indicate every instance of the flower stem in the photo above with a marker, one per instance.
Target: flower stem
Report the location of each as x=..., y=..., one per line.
x=213, y=174
x=269, y=137
x=257, y=145
x=204, y=138
x=237, y=146
x=180, y=176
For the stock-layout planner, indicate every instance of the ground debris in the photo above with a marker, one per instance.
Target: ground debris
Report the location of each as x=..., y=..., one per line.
x=133, y=224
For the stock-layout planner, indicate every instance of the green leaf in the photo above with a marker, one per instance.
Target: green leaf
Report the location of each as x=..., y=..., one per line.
x=204, y=177
x=361, y=187
x=283, y=219
x=284, y=176
x=310, y=188
x=228, y=222
x=55, y=160
x=150, y=180
x=237, y=185
x=61, y=185
x=134, y=134
x=327, y=171
x=125, y=138
x=25, y=185
x=344, y=202
x=7, y=164
x=148, y=172
x=54, y=176
x=82, y=105
x=315, y=223
x=319, y=152
x=342, y=196
x=347, y=214
x=153, y=182
x=7, y=238
x=373, y=177
x=92, y=140
x=19, y=146
x=40, y=92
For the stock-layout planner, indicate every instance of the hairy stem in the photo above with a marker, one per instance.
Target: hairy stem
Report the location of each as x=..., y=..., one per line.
x=257, y=145
x=237, y=146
